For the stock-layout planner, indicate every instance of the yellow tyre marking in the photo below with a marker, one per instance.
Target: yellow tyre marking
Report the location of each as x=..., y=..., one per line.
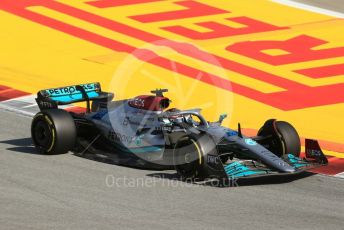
x=198, y=151
x=52, y=129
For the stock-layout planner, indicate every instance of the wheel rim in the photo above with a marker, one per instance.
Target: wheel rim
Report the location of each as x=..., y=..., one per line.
x=42, y=134
x=186, y=159
x=277, y=147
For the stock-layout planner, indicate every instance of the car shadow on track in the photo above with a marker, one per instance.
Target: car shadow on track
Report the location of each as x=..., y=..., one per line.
x=270, y=180
x=22, y=145
x=115, y=159
x=273, y=179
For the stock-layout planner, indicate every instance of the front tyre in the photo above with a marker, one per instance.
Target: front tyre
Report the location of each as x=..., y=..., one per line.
x=53, y=131
x=187, y=158
x=283, y=138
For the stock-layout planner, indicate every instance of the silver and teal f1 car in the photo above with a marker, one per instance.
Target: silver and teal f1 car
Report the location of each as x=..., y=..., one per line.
x=144, y=132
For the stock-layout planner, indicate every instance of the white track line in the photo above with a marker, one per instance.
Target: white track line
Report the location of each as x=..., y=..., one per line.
x=340, y=175
x=27, y=98
x=21, y=110
x=18, y=111
x=29, y=106
x=310, y=8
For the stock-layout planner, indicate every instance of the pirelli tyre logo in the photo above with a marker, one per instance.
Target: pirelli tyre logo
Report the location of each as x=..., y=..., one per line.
x=271, y=58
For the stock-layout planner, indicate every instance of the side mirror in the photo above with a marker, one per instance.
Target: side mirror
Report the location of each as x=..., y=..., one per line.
x=222, y=117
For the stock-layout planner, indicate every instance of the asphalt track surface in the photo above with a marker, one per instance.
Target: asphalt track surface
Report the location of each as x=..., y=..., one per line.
x=70, y=192
x=335, y=5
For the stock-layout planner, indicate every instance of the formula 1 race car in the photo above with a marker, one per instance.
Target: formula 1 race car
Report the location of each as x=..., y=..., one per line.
x=143, y=132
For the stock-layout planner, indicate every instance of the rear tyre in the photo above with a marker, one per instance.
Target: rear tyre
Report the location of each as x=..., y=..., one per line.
x=53, y=131
x=283, y=138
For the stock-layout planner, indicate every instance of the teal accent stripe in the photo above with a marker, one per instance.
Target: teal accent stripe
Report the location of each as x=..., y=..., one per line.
x=249, y=173
x=145, y=149
x=70, y=93
x=73, y=97
x=296, y=162
x=236, y=169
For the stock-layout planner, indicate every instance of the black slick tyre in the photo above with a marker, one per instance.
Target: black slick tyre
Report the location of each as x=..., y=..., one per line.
x=283, y=140
x=53, y=131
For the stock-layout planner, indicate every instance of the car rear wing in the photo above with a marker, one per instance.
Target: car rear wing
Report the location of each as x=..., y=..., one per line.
x=52, y=98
